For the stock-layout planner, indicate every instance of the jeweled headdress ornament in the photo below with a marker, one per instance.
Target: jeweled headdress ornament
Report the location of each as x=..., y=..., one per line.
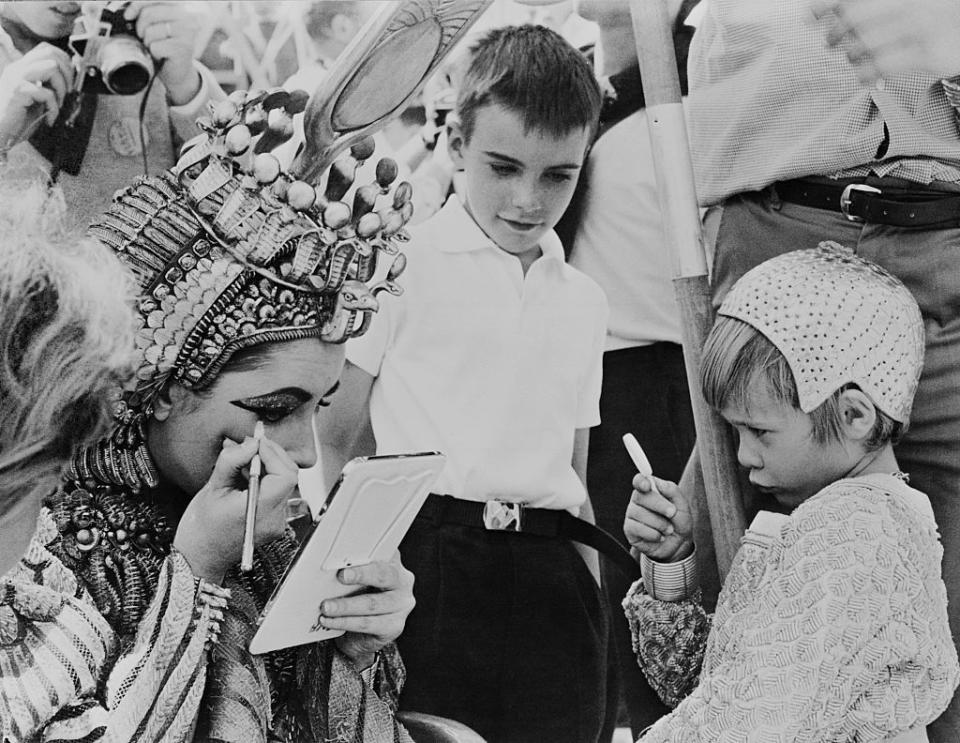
x=837, y=319
x=229, y=252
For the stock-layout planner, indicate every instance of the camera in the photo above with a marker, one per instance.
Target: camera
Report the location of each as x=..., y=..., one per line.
x=109, y=56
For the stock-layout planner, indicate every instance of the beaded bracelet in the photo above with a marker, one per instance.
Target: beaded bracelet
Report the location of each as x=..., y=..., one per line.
x=217, y=599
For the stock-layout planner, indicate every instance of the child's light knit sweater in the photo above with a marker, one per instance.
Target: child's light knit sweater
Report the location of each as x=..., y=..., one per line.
x=831, y=626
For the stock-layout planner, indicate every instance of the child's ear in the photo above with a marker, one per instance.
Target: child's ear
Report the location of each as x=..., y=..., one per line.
x=455, y=140
x=857, y=414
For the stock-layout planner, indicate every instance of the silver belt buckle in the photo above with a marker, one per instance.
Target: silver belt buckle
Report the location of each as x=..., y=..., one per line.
x=500, y=515
x=845, y=199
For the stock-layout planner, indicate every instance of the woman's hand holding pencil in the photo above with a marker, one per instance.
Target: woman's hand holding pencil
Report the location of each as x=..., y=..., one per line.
x=212, y=530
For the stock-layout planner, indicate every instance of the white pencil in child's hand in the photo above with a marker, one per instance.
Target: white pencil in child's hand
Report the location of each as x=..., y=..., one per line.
x=253, y=495
x=640, y=460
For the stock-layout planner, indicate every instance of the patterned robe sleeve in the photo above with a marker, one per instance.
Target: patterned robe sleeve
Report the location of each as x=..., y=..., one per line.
x=73, y=683
x=153, y=691
x=309, y=694
x=352, y=709
x=65, y=677
x=839, y=633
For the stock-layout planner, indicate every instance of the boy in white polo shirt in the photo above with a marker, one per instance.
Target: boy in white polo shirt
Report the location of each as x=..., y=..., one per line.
x=493, y=355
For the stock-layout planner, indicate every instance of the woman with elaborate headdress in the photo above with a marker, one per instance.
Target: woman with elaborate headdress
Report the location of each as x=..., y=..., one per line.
x=248, y=281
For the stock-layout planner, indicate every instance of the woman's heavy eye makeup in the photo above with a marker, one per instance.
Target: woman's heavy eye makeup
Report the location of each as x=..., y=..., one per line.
x=276, y=405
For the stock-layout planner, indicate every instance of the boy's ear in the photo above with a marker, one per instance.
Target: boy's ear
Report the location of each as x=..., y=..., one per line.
x=857, y=414
x=455, y=140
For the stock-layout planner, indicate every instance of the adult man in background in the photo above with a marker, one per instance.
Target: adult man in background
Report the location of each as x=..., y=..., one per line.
x=838, y=119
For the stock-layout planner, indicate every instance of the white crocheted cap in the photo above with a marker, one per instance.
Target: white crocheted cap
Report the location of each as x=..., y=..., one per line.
x=837, y=319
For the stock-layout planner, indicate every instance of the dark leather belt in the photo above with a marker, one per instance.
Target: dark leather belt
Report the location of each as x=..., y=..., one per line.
x=496, y=515
x=858, y=202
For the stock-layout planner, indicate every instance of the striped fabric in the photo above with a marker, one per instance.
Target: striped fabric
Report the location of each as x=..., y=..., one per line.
x=60, y=649
x=52, y=672
x=65, y=677
x=769, y=102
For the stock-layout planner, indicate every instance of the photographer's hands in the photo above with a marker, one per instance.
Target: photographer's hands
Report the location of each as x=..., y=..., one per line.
x=32, y=89
x=169, y=33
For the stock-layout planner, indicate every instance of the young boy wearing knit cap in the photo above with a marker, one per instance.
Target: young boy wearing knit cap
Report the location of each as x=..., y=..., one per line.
x=832, y=622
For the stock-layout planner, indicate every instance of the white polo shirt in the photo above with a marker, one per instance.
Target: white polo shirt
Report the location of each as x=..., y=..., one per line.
x=493, y=368
x=619, y=241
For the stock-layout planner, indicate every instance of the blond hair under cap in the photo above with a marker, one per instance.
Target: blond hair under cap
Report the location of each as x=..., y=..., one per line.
x=837, y=319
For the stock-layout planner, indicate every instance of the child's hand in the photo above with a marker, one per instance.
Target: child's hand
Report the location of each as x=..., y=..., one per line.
x=659, y=524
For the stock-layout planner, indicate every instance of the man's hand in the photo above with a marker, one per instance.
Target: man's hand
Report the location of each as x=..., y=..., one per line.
x=169, y=32
x=886, y=37
x=32, y=90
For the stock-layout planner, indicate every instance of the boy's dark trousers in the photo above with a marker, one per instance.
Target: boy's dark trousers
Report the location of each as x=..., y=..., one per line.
x=509, y=634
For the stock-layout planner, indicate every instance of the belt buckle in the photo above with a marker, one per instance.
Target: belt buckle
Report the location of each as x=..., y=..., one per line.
x=846, y=198
x=501, y=515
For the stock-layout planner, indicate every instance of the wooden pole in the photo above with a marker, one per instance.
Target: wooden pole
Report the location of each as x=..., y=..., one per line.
x=673, y=167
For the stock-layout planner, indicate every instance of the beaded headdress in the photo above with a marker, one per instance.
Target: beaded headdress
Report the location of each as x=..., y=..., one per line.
x=230, y=252
x=837, y=319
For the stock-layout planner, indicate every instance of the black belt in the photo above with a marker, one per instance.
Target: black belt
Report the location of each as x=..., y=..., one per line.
x=498, y=515
x=858, y=202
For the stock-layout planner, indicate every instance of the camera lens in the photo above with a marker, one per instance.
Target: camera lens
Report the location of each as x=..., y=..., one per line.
x=125, y=65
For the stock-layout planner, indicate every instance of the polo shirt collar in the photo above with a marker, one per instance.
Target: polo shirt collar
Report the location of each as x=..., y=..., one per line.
x=453, y=219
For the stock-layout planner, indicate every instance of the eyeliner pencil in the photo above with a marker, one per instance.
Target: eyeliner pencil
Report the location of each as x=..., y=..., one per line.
x=253, y=495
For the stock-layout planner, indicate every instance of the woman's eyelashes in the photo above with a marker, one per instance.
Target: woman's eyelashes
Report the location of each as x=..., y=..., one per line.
x=275, y=406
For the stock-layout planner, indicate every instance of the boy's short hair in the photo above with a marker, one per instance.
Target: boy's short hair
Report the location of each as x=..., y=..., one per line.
x=811, y=324
x=736, y=355
x=533, y=71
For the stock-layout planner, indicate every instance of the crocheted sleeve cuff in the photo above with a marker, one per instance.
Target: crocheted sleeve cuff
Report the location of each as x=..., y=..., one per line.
x=669, y=639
